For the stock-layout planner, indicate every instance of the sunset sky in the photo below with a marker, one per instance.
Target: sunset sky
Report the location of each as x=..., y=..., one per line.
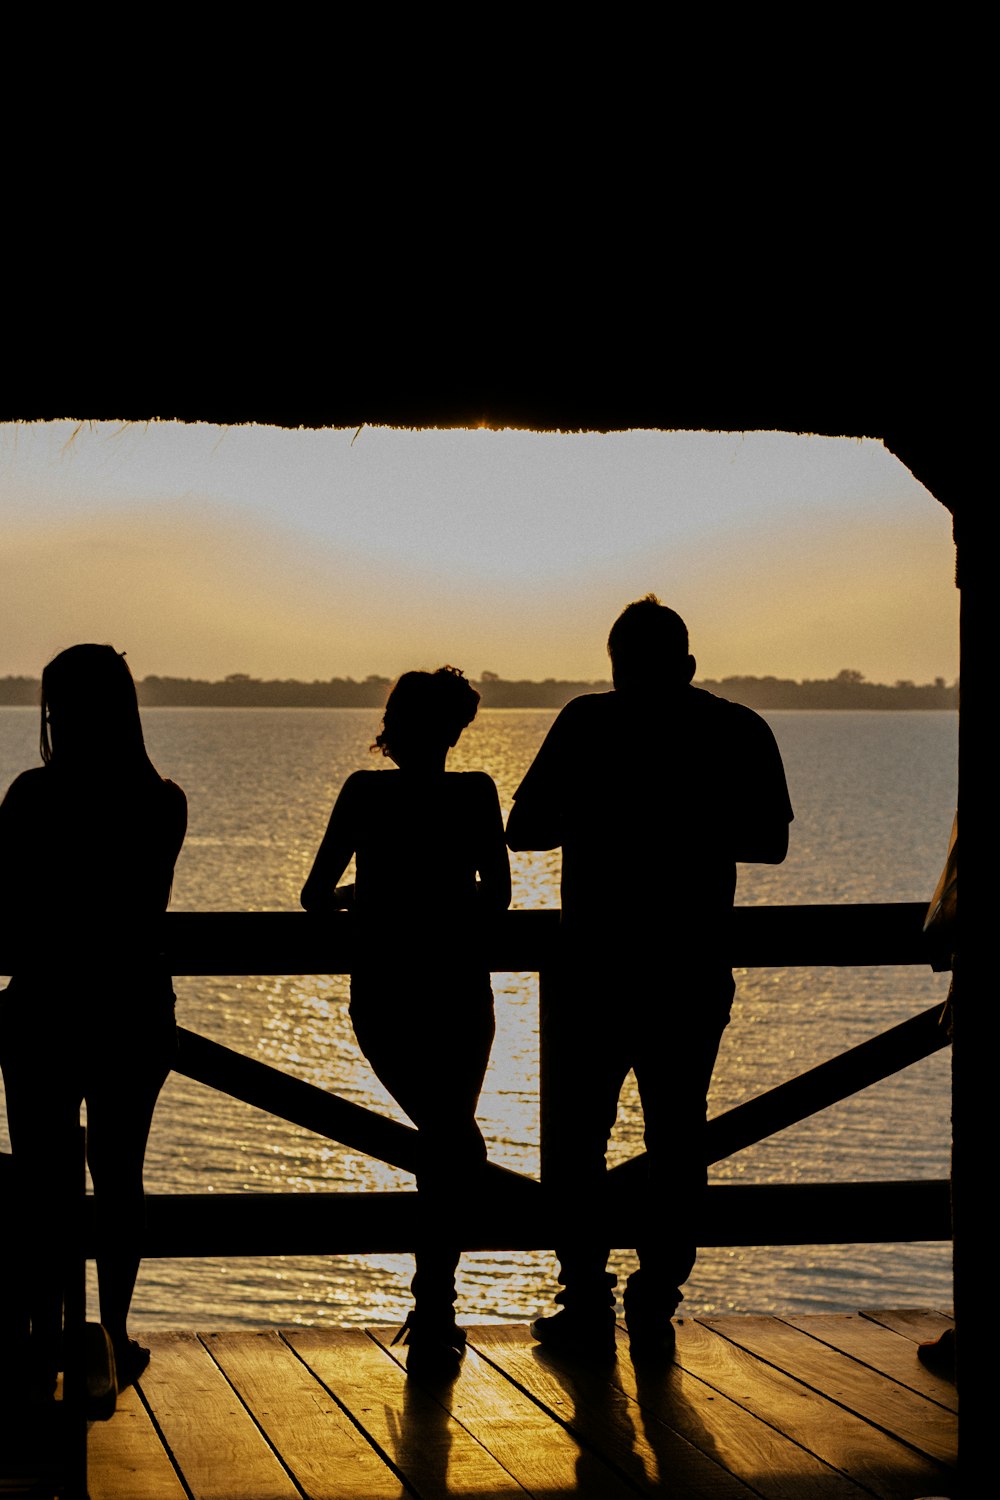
x=206, y=550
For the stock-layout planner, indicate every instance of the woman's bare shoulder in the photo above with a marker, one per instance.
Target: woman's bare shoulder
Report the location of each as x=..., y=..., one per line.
x=362, y=788
x=28, y=786
x=34, y=778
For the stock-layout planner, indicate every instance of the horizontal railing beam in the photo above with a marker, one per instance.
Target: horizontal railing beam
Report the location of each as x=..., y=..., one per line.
x=238, y=943
x=336, y=1223
x=202, y=943
x=815, y=1090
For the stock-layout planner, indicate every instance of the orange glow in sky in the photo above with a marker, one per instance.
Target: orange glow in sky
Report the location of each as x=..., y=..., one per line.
x=205, y=551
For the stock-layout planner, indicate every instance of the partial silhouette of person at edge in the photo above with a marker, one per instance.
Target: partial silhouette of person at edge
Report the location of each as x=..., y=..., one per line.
x=938, y=1354
x=421, y=1001
x=654, y=791
x=88, y=842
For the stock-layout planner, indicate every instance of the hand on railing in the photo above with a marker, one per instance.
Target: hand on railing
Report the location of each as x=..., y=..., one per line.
x=318, y=899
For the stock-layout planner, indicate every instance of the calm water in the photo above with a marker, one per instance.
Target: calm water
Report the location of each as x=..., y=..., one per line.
x=873, y=794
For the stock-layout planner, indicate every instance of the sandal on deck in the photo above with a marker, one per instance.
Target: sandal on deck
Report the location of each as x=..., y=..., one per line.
x=435, y=1345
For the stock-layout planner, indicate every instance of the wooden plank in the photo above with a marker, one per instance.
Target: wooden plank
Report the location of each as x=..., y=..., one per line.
x=326, y=1454
x=881, y=1348
x=126, y=1458
x=771, y=1464
x=404, y=1418
x=916, y=1323
x=909, y=1416
x=884, y=1466
x=538, y=1452
x=605, y=1419
x=213, y=1441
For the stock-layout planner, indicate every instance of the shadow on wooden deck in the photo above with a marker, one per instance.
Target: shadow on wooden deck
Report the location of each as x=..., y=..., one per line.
x=829, y=1406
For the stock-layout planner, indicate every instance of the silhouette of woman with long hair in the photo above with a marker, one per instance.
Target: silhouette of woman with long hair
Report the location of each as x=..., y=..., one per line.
x=88, y=842
x=421, y=1001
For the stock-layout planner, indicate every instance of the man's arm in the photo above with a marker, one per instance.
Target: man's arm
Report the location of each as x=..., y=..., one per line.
x=531, y=825
x=761, y=825
x=491, y=858
x=536, y=819
x=766, y=844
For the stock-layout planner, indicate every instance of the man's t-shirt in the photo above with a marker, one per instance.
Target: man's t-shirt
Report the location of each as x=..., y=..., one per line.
x=653, y=801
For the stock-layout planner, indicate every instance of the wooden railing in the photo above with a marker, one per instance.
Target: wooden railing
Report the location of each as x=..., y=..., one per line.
x=513, y=1212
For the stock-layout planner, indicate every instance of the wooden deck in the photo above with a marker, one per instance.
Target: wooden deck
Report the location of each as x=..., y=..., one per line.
x=831, y=1407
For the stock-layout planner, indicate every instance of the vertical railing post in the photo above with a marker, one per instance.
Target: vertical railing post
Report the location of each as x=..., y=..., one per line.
x=550, y=980
x=973, y=1055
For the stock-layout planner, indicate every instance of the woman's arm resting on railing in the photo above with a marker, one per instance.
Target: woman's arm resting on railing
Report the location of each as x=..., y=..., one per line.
x=491, y=857
x=333, y=856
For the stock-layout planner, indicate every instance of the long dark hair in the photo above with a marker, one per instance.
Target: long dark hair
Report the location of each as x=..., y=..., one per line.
x=90, y=713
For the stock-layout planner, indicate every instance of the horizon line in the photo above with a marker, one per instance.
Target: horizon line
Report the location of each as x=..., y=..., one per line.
x=846, y=675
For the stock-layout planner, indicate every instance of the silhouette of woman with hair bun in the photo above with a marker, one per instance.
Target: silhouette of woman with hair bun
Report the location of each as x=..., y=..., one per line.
x=88, y=842
x=421, y=1001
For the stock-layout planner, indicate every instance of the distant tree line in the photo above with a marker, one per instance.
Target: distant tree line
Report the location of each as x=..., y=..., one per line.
x=242, y=691
x=19, y=690
x=500, y=692
x=847, y=690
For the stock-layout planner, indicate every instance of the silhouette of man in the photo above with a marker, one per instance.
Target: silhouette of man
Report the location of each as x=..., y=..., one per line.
x=654, y=791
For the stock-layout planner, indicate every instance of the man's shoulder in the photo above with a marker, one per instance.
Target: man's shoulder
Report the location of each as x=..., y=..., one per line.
x=588, y=719
x=711, y=702
x=614, y=713
x=580, y=715
x=725, y=710
x=588, y=706
x=743, y=737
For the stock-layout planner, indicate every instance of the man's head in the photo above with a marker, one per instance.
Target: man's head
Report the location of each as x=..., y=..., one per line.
x=648, y=646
